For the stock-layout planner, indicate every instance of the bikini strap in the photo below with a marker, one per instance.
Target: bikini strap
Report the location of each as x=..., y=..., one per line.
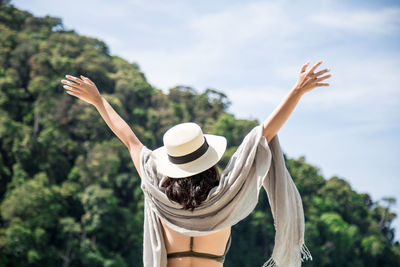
x=191, y=253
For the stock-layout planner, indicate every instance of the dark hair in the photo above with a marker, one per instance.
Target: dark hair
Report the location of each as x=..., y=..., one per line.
x=191, y=191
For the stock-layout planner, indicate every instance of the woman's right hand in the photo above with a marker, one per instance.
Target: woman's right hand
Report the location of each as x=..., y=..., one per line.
x=308, y=80
x=83, y=89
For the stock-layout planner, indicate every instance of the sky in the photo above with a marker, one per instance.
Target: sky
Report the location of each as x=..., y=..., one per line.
x=253, y=50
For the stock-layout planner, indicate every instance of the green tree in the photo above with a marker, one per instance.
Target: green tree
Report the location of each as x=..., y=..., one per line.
x=70, y=195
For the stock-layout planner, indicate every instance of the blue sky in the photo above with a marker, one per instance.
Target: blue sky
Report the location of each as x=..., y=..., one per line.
x=253, y=50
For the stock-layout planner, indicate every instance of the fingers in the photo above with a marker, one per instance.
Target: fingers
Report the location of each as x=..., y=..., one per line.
x=321, y=72
x=71, y=89
x=315, y=66
x=77, y=80
x=87, y=80
x=76, y=94
x=322, y=84
x=69, y=83
x=68, y=91
x=323, y=78
x=303, y=68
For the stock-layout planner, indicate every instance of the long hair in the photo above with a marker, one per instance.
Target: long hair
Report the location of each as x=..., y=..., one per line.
x=191, y=191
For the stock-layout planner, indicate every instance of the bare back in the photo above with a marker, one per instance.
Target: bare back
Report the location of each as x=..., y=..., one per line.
x=213, y=243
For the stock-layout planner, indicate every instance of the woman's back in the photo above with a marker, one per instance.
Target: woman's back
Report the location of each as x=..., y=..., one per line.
x=215, y=244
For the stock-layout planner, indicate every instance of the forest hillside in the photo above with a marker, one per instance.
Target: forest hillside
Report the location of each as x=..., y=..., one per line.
x=69, y=192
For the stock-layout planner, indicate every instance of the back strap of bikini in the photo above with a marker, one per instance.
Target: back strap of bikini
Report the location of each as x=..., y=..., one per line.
x=191, y=253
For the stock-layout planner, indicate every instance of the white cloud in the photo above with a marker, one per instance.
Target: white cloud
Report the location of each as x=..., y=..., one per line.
x=215, y=44
x=383, y=21
x=241, y=23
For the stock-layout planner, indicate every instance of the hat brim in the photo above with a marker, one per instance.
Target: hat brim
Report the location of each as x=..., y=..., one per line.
x=217, y=146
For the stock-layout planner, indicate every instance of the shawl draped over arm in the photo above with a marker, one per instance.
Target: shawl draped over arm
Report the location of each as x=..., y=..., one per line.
x=255, y=164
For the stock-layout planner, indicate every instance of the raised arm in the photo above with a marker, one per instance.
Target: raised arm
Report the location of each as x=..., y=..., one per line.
x=86, y=90
x=307, y=80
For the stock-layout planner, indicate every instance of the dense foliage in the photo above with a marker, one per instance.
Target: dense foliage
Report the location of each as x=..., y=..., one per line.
x=69, y=193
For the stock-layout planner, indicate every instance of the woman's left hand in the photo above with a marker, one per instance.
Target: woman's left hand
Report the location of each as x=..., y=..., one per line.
x=308, y=80
x=83, y=88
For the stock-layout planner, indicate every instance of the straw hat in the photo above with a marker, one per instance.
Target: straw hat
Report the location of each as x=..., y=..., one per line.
x=187, y=151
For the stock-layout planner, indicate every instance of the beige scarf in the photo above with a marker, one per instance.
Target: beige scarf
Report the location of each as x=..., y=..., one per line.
x=254, y=164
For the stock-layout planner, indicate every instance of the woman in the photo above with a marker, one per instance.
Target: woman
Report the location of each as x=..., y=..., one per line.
x=186, y=230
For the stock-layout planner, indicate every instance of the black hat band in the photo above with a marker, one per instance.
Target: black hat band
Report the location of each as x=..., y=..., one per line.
x=191, y=156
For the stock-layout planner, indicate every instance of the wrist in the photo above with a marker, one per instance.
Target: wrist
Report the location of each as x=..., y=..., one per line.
x=98, y=101
x=297, y=91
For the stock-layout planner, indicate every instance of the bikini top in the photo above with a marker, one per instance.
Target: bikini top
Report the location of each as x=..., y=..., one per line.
x=191, y=253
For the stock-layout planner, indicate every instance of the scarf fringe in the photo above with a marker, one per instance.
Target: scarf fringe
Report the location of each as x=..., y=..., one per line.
x=270, y=263
x=305, y=255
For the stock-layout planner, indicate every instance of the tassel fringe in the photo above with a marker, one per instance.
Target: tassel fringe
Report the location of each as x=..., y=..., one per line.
x=270, y=263
x=305, y=253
